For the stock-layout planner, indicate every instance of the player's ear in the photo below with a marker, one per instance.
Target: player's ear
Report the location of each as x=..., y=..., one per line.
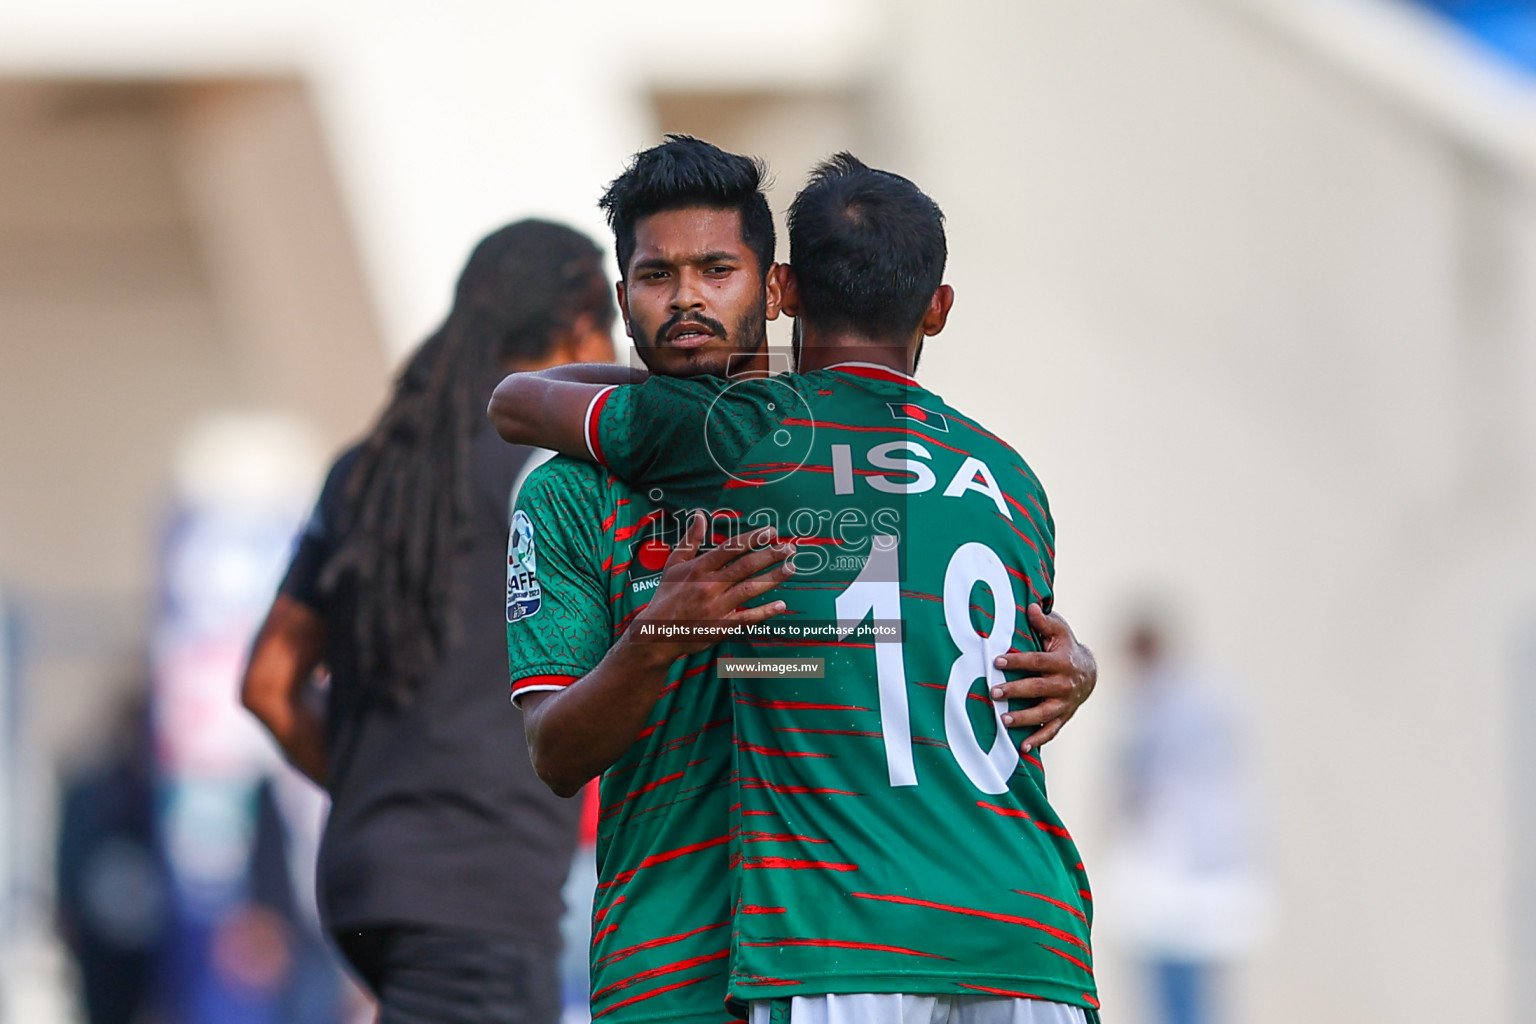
x=789, y=289
x=773, y=289
x=937, y=313
x=623, y=298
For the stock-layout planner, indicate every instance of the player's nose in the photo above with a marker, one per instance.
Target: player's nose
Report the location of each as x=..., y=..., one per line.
x=689, y=294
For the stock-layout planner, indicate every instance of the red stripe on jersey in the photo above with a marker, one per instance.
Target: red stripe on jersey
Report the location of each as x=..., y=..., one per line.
x=598, y=917
x=594, y=418
x=661, y=858
x=1027, y=922
x=1090, y=1000
x=683, y=741
x=1010, y=499
x=774, y=787
x=831, y=732
x=625, y=621
x=1044, y=826
x=648, y=787
x=640, y=524
x=758, y=979
x=665, y=940
x=1069, y=908
x=1025, y=538
x=875, y=430
x=810, y=467
x=1032, y=759
x=684, y=796
x=674, y=684
x=875, y=373
x=656, y=972
x=1038, y=508
x=778, y=837
x=556, y=680
x=795, y=864
x=1085, y=894
x=973, y=696
x=795, y=705
x=1000, y=991
x=840, y=944
x=773, y=752
x=1065, y=956
x=1009, y=812
x=650, y=995
x=979, y=429
x=606, y=931
x=643, y=733
x=753, y=908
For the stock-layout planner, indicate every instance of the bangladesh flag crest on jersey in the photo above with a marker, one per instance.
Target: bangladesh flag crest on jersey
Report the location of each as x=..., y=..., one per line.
x=929, y=418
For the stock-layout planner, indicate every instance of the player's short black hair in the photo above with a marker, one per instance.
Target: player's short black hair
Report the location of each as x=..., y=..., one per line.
x=867, y=247
x=682, y=172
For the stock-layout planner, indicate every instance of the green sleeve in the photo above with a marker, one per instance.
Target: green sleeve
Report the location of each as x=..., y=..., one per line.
x=558, y=624
x=685, y=436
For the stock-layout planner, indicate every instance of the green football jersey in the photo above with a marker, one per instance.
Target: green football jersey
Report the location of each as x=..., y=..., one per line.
x=582, y=559
x=890, y=837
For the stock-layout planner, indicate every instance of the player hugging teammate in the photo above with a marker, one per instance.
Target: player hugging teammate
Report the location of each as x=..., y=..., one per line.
x=867, y=843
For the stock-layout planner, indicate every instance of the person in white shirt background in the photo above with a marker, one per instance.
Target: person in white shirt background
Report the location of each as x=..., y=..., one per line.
x=1186, y=878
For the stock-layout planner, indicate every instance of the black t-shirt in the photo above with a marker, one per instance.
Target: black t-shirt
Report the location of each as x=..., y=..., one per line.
x=437, y=817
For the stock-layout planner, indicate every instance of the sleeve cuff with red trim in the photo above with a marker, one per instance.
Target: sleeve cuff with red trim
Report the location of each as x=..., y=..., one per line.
x=539, y=684
x=593, y=424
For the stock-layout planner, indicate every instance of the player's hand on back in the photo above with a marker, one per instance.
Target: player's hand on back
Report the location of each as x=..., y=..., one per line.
x=1062, y=674
x=711, y=588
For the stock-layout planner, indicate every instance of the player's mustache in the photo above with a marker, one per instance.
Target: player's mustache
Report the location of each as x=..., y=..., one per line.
x=715, y=326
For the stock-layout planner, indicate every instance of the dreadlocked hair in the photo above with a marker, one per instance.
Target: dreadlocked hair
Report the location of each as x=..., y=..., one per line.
x=408, y=494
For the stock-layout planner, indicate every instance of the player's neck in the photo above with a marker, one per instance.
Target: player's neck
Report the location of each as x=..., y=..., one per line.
x=821, y=349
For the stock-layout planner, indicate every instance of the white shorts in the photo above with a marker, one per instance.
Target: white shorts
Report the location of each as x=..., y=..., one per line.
x=895, y=1008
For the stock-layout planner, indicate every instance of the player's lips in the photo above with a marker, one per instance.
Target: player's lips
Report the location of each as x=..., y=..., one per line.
x=688, y=335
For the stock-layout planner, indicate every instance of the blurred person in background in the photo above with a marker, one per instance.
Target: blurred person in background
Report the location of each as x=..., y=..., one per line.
x=1185, y=879
x=442, y=861
x=112, y=886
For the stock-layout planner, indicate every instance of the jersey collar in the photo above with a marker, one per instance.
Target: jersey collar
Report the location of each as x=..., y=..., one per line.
x=874, y=371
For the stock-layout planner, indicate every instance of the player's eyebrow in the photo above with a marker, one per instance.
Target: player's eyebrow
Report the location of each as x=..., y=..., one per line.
x=652, y=263
x=718, y=256
x=694, y=259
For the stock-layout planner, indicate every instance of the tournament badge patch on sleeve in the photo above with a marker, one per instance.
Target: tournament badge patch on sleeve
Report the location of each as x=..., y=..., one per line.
x=524, y=595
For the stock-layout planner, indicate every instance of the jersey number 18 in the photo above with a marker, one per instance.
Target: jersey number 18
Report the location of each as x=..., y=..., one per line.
x=877, y=590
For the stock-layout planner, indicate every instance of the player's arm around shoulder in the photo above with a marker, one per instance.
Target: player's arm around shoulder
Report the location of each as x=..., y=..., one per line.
x=549, y=408
x=577, y=731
